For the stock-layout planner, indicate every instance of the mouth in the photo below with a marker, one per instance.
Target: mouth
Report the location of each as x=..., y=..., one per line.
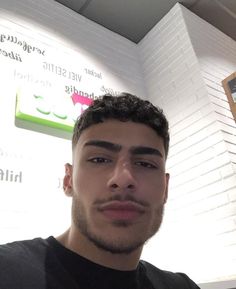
x=122, y=210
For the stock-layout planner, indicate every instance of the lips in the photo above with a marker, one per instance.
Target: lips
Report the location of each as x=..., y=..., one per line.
x=121, y=210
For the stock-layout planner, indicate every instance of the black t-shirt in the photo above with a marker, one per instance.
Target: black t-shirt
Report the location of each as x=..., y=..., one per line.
x=89, y=275
x=46, y=264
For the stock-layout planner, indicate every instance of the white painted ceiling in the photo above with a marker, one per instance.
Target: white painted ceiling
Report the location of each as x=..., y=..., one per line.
x=134, y=18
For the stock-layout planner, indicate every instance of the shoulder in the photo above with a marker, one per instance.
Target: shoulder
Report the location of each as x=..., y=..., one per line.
x=166, y=279
x=21, y=259
x=22, y=250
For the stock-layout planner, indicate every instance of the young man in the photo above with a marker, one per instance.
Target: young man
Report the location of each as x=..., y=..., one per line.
x=119, y=187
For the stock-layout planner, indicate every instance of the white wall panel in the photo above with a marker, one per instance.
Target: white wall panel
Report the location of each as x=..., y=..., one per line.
x=183, y=75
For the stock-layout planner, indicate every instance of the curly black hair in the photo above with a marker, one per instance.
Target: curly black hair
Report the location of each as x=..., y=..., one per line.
x=123, y=107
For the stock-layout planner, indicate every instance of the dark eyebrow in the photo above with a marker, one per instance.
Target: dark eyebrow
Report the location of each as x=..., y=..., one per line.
x=104, y=144
x=140, y=150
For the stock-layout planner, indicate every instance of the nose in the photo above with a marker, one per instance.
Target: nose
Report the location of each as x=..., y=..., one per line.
x=122, y=178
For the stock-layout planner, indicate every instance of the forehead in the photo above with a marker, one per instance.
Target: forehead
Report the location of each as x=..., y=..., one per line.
x=126, y=134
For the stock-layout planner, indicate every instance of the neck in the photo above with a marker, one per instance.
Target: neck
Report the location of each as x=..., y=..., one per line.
x=76, y=242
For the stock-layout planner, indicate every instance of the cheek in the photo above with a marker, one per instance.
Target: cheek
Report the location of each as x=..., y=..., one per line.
x=154, y=190
x=84, y=178
x=85, y=187
x=80, y=178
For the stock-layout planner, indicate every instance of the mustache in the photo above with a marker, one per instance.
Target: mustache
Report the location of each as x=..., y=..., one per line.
x=122, y=198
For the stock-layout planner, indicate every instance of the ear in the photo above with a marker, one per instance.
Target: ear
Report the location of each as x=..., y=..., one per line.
x=67, y=181
x=167, y=187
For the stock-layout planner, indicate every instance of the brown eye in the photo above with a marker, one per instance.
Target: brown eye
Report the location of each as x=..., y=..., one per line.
x=99, y=160
x=146, y=165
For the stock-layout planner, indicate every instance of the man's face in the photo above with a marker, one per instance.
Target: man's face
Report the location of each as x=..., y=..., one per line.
x=118, y=185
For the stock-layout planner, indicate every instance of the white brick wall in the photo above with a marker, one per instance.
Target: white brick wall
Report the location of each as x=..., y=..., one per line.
x=216, y=53
x=184, y=60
